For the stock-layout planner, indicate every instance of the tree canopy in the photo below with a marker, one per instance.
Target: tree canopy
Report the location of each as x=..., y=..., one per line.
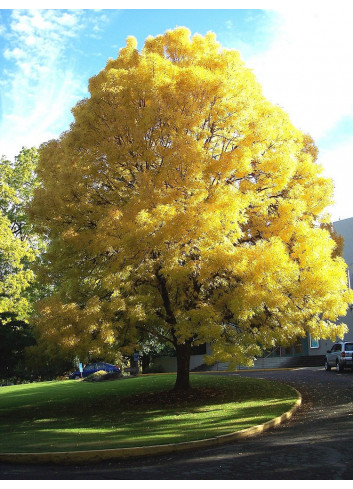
x=18, y=245
x=182, y=204
x=15, y=337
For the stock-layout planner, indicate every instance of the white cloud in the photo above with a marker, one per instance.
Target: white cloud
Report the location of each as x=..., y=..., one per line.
x=15, y=53
x=338, y=165
x=67, y=19
x=308, y=71
x=308, y=68
x=40, y=89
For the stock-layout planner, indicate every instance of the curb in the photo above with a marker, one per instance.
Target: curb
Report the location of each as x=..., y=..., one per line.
x=241, y=370
x=81, y=457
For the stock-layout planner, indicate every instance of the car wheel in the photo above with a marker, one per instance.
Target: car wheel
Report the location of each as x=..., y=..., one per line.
x=327, y=366
x=339, y=367
x=77, y=377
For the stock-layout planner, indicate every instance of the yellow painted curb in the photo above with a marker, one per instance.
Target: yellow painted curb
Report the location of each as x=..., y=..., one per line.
x=123, y=453
x=241, y=370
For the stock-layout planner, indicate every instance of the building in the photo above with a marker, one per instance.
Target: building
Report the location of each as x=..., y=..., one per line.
x=345, y=229
x=307, y=351
x=317, y=348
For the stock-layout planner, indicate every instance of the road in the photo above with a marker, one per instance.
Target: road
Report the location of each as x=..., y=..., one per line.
x=316, y=444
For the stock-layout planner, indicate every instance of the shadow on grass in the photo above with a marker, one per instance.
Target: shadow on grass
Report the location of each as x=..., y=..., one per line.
x=144, y=429
x=113, y=420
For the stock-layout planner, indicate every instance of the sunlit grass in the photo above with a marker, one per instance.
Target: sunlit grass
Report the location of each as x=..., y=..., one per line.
x=71, y=415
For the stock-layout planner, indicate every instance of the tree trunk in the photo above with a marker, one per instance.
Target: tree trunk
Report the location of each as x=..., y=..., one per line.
x=183, y=352
x=145, y=361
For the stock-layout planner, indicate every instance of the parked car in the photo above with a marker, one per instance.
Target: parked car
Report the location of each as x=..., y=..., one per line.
x=95, y=367
x=340, y=356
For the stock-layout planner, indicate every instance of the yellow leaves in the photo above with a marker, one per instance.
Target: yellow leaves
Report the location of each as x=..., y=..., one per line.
x=240, y=349
x=178, y=46
x=131, y=43
x=202, y=321
x=157, y=217
x=326, y=329
x=320, y=196
x=267, y=279
x=309, y=147
x=242, y=156
x=72, y=329
x=69, y=234
x=311, y=245
x=137, y=313
x=107, y=231
x=181, y=198
x=174, y=44
x=128, y=56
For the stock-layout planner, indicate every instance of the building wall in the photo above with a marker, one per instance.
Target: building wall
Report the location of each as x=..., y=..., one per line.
x=309, y=345
x=169, y=364
x=345, y=229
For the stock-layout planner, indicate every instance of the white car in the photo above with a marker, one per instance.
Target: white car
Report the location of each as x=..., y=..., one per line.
x=340, y=356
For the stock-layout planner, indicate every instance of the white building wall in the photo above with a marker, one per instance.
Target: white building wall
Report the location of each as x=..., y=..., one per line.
x=169, y=364
x=345, y=229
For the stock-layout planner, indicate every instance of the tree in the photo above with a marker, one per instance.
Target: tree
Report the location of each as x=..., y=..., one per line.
x=338, y=239
x=18, y=245
x=15, y=337
x=182, y=204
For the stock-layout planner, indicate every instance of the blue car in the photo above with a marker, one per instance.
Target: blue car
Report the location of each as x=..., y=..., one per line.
x=95, y=367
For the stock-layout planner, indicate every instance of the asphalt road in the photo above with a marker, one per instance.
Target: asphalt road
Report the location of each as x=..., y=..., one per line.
x=316, y=444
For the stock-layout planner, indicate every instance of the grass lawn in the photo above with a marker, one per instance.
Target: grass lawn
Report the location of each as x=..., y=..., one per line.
x=75, y=415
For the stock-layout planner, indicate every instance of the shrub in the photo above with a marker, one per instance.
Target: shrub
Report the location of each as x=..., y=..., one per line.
x=102, y=375
x=154, y=369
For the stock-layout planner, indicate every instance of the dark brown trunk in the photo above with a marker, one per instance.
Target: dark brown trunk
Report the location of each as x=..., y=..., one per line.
x=145, y=362
x=183, y=352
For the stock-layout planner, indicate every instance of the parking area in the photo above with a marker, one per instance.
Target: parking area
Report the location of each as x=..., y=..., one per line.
x=314, y=444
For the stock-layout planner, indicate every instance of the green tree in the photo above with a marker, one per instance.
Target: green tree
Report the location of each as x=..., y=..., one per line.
x=19, y=246
x=18, y=180
x=182, y=203
x=15, y=337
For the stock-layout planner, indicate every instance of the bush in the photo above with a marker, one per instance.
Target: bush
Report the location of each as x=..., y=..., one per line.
x=112, y=376
x=154, y=369
x=102, y=375
x=96, y=376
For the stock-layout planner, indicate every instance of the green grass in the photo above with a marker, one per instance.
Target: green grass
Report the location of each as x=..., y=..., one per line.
x=73, y=415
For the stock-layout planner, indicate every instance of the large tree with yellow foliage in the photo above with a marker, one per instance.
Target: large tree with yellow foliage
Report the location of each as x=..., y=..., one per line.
x=183, y=205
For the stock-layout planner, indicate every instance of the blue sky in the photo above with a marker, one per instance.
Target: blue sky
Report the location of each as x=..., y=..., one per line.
x=302, y=58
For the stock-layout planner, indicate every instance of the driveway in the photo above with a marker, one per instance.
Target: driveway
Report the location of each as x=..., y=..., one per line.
x=315, y=444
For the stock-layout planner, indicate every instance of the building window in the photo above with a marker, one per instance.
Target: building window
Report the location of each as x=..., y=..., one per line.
x=314, y=343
